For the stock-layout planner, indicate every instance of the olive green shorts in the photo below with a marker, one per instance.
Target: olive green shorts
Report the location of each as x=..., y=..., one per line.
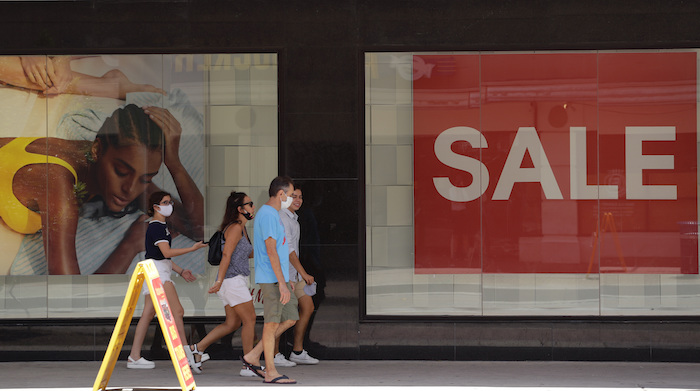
x=273, y=310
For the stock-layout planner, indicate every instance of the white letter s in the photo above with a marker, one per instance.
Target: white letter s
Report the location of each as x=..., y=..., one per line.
x=479, y=172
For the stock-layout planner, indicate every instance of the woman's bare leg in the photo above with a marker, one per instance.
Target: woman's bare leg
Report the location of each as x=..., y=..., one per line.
x=142, y=327
x=230, y=325
x=246, y=312
x=176, y=309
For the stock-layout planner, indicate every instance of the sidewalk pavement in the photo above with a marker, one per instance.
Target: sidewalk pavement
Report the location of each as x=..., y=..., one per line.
x=466, y=375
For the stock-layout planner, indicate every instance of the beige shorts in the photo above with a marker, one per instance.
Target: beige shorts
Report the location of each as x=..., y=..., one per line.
x=274, y=311
x=299, y=289
x=234, y=291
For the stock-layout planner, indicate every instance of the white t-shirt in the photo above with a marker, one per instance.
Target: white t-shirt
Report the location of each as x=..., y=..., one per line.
x=290, y=220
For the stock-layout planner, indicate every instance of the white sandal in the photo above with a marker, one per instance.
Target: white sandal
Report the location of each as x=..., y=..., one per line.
x=190, y=360
x=202, y=356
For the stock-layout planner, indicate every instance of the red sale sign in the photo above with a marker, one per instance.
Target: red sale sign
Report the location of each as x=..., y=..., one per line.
x=555, y=163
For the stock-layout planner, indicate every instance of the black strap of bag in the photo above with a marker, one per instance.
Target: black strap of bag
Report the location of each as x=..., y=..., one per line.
x=216, y=244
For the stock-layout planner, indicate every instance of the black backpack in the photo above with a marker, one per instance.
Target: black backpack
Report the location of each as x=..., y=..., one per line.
x=216, y=247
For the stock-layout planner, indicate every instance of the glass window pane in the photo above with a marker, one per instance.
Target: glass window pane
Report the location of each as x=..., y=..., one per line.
x=543, y=183
x=222, y=111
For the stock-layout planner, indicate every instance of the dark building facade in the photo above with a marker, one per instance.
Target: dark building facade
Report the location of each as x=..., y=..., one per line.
x=323, y=55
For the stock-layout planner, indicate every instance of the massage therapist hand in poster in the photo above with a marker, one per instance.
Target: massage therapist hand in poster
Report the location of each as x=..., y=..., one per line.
x=84, y=142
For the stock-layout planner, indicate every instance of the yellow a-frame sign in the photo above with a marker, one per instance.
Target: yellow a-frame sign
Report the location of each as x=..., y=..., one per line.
x=146, y=270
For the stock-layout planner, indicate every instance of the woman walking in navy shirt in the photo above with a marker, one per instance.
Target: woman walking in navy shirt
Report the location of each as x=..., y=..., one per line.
x=158, y=242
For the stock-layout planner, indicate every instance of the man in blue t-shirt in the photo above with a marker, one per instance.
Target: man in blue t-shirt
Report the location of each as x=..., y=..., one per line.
x=271, y=252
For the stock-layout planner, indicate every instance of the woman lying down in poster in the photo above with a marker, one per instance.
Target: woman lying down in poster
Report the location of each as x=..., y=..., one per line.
x=80, y=198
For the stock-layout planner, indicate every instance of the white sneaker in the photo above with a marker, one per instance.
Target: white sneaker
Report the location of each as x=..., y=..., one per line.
x=280, y=361
x=246, y=372
x=302, y=358
x=141, y=363
x=190, y=360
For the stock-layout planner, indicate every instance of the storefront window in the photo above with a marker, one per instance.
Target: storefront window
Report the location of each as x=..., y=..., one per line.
x=73, y=219
x=533, y=184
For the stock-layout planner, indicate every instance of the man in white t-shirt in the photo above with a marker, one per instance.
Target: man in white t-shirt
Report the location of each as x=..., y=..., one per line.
x=300, y=278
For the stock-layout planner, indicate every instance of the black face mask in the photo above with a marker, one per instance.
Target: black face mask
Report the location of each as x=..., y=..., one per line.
x=248, y=215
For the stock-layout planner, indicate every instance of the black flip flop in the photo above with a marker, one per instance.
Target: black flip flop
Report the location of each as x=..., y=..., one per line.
x=277, y=380
x=256, y=369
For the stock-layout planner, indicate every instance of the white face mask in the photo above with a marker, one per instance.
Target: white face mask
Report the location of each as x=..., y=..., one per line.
x=165, y=210
x=286, y=203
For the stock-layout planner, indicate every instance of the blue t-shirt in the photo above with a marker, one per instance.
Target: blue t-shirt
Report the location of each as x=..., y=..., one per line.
x=157, y=232
x=267, y=224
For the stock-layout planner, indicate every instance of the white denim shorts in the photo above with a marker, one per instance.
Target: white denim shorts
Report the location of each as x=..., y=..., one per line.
x=165, y=271
x=234, y=291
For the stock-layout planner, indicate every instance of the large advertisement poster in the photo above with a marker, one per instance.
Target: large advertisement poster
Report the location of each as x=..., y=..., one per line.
x=555, y=163
x=84, y=141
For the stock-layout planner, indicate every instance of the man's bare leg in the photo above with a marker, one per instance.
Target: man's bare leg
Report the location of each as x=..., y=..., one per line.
x=306, y=309
x=271, y=330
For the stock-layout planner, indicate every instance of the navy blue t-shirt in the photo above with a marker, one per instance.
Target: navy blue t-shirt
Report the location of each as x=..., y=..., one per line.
x=157, y=232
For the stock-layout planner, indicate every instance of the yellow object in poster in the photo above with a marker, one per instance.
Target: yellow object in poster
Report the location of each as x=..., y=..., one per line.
x=146, y=270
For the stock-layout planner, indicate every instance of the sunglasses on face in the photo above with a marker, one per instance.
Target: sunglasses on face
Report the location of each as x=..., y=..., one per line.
x=248, y=203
